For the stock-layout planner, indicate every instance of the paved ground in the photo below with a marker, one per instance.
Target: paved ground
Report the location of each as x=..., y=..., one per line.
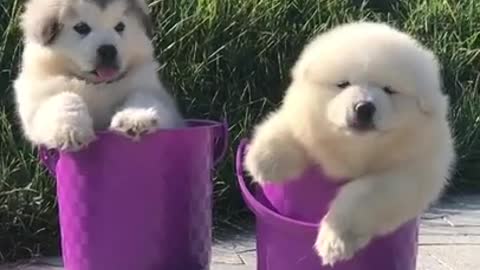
x=449, y=240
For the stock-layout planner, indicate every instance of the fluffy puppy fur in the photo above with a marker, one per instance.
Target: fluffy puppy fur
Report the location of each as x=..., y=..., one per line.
x=88, y=65
x=396, y=150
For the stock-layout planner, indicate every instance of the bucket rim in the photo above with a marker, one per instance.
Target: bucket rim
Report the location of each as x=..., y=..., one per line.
x=265, y=214
x=219, y=129
x=200, y=124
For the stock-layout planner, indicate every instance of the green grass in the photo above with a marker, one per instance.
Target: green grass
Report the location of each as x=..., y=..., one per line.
x=232, y=58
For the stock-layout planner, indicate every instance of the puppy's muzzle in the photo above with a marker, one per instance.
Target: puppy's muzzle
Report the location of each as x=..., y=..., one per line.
x=107, y=55
x=363, y=114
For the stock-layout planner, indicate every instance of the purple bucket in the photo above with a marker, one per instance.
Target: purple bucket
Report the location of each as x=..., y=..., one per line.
x=287, y=218
x=143, y=205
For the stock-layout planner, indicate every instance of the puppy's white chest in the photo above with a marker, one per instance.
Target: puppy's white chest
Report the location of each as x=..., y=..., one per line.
x=103, y=100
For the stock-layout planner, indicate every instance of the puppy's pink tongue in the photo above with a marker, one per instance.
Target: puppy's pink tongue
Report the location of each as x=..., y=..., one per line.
x=106, y=74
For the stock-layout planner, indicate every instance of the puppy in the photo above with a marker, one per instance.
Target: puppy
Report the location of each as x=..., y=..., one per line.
x=365, y=103
x=88, y=65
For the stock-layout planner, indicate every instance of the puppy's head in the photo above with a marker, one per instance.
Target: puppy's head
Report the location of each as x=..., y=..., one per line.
x=97, y=40
x=366, y=79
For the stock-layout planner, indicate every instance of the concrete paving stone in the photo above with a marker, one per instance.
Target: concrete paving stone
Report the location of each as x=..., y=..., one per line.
x=244, y=242
x=52, y=261
x=449, y=240
x=249, y=258
x=226, y=256
x=428, y=262
x=456, y=257
x=230, y=267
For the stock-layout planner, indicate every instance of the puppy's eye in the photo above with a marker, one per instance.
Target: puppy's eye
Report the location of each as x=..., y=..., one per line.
x=120, y=27
x=388, y=90
x=82, y=28
x=343, y=84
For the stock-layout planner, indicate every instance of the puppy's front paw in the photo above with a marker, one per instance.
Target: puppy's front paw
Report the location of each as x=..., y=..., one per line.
x=272, y=162
x=263, y=166
x=135, y=122
x=334, y=245
x=71, y=134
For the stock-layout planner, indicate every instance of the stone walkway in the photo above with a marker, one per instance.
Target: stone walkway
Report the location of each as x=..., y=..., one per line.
x=449, y=240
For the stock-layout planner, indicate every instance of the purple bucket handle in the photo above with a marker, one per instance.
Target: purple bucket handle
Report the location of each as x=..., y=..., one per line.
x=221, y=142
x=49, y=158
x=259, y=208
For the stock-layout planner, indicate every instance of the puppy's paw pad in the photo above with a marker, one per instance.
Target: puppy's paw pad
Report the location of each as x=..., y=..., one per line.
x=70, y=137
x=273, y=165
x=258, y=166
x=135, y=122
x=333, y=246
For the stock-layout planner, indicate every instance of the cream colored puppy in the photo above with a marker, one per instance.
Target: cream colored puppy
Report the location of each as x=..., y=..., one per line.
x=366, y=104
x=88, y=65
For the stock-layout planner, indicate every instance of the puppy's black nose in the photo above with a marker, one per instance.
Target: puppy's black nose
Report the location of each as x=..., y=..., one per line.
x=364, y=112
x=107, y=53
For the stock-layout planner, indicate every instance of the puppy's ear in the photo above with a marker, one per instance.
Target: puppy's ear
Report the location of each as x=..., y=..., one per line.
x=140, y=11
x=147, y=25
x=433, y=102
x=300, y=69
x=425, y=105
x=429, y=95
x=49, y=30
x=40, y=22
